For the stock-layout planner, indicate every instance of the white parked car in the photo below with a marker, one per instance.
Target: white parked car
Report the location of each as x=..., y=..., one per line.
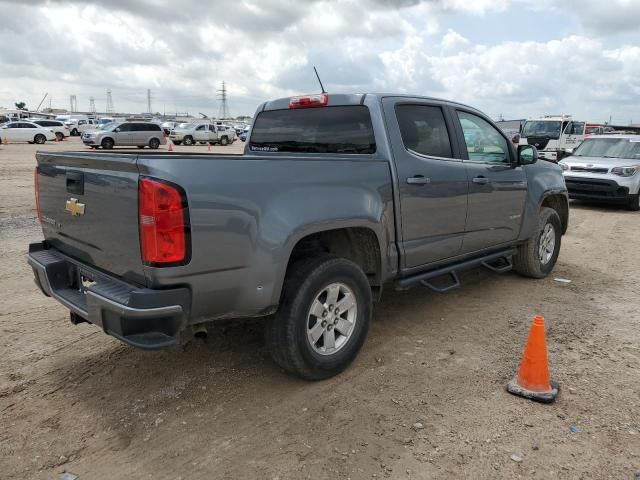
x=59, y=128
x=605, y=168
x=23, y=131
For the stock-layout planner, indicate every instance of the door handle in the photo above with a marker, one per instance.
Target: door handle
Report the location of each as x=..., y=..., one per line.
x=481, y=180
x=418, y=180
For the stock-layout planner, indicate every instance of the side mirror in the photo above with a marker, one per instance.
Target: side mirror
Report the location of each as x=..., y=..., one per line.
x=568, y=152
x=527, y=154
x=117, y=130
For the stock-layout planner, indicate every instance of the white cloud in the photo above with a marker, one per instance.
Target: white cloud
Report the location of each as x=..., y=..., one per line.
x=453, y=41
x=265, y=49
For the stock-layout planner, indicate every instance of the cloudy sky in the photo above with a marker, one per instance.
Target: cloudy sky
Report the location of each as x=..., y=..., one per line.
x=515, y=58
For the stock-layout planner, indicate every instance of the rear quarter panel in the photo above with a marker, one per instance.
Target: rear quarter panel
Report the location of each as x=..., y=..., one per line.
x=248, y=212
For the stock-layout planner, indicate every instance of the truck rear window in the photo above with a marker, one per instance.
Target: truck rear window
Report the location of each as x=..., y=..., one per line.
x=343, y=129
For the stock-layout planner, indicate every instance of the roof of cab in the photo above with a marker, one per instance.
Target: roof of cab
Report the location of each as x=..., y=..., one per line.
x=339, y=99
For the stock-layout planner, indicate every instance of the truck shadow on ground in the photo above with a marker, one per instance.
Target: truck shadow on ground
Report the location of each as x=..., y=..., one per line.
x=233, y=369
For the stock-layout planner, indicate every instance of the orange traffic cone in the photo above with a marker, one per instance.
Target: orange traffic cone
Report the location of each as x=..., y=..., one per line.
x=532, y=380
x=170, y=147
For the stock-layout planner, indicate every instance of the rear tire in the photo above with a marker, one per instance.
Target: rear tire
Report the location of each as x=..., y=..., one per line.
x=39, y=139
x=290, y=331
x=634, y=202
x=537, y=257
x=188, y=140
x=107, y=143
x=154, y=143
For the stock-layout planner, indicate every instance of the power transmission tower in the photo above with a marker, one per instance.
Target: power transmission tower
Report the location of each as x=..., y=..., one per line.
x=73, y=101
x=110, y=109
x=148, y=100
x=92, y=105
x=222, y=95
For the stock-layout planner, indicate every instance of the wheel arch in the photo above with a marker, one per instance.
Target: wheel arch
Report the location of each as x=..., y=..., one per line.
x=560, y=203
x=359, y=243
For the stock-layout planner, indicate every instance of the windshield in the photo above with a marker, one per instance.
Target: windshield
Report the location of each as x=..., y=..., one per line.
x=609, y=148
x=541, y=128
x=343, y=129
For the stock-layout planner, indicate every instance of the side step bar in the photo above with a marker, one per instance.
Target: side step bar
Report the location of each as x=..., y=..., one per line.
x=498, y=262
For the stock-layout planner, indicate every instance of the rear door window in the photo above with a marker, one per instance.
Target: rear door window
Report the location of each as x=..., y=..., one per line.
x=424, y=130
x=341, y=129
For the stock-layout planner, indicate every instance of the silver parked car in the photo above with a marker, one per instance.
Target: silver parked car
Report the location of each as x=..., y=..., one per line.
x=605, y=168
x=129, y=134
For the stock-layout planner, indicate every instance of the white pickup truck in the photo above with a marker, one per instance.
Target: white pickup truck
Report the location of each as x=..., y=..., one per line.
x=202, y=132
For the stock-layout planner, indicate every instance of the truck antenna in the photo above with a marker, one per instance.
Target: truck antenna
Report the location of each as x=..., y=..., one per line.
x=319, y=81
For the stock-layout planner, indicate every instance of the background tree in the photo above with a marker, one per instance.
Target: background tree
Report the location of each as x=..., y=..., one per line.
x=21, y=105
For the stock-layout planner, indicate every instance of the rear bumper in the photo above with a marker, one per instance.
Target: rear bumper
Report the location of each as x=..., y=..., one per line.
x=141, y=317
x=584, y=188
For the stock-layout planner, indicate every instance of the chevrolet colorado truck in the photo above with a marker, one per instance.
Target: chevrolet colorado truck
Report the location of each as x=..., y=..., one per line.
x=335, y=197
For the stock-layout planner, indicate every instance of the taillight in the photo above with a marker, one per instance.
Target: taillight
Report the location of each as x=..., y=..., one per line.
x=319, y=100
x=36, y=188
x=164, y=223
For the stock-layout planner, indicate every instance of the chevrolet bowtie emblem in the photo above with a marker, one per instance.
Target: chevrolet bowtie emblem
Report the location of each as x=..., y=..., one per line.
x=76, y=209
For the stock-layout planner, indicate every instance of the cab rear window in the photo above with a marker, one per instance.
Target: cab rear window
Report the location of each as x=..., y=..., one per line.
x=341, y=129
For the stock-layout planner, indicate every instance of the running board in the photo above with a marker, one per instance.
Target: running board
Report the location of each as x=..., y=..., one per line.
x=498, y=262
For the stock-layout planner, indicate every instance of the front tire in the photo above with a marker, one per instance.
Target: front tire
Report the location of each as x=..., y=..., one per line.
x=74, y=132
x=188, y=140
x=59, y=136
x=306, y=336
x=39, y=139
x=537, y=257
x=634, y=202
x=107, y=144
x=154, y=143
x=224, y=141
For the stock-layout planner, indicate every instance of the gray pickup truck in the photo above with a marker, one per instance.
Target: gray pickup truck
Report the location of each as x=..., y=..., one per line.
x=335, y=197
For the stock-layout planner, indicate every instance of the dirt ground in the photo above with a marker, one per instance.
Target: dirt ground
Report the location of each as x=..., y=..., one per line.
x=74, y=399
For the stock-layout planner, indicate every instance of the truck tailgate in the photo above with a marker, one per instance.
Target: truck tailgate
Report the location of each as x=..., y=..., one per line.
x=89, y=209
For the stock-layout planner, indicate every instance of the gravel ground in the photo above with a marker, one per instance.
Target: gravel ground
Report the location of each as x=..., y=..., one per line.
x=425, y=399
